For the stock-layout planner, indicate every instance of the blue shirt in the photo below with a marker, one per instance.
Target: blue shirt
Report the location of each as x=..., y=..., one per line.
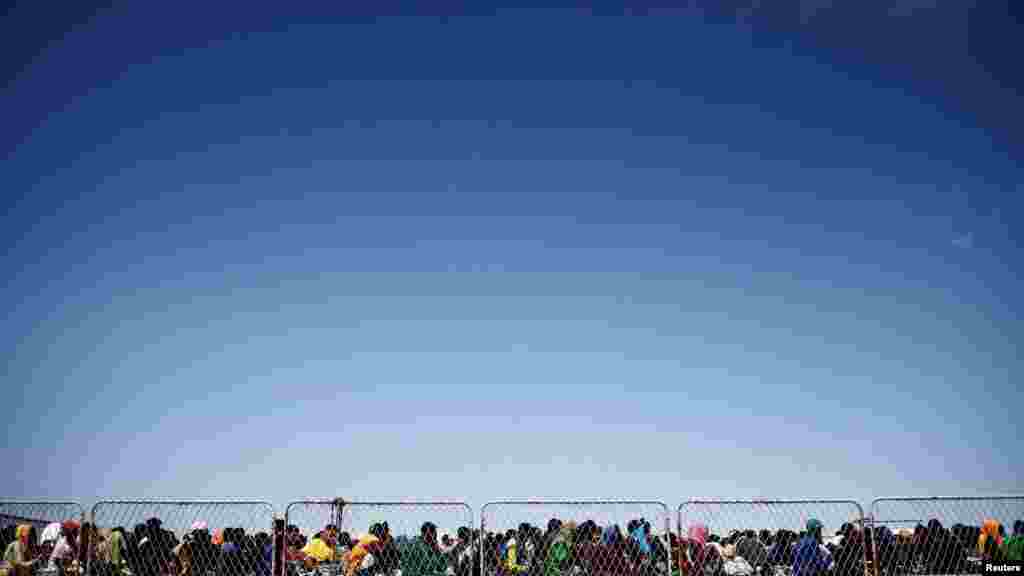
x=809, y=559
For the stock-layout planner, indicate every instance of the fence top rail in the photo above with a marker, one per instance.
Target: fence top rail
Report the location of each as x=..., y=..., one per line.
x=948, y=498
x=185, y=501
x=182, y=501
x=9, y=501
x=337, y=502
x=771, y=501
x=594, y=501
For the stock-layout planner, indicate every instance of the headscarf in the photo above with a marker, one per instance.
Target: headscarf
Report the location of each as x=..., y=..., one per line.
x=814, y=524
x=989, y=530
x=360, y=551
x=22, y=533
x=640, y=535
x=199, y=526
x=218, y=537
x=51, y=533
x=699, y=534
x=609, y=536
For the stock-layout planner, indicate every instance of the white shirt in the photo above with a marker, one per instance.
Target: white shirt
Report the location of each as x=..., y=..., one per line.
x=62, y=551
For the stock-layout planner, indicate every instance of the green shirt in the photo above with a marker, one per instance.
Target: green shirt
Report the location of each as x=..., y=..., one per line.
x=16, y=553
x=1015, y=548
x=557, y=562
x=421, y=559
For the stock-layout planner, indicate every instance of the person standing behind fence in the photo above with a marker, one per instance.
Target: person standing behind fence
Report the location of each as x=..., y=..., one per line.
x=750, y=549
x=558, y=561
x=553, y=532
x=990, y=542
x=461, y=555
x=22, y=553
x=322, y=547
x=363, y=556
x=517, y=552
x=810, y=559
x=849, y=555
x=65, y=552
x=231, y=561
x=1015, y=543
x=423, y=557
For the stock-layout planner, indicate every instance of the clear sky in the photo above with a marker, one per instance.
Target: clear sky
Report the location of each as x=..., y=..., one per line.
x=526, y=254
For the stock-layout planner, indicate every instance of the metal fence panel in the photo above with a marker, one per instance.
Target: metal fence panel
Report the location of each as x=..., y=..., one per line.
x=182, y=537
x=735, y=537
x=941, y=535
x=584, y=538
x=399, y=526
x=45, y=519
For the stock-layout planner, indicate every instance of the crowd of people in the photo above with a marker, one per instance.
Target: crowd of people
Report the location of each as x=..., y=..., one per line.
x=934, y=549
x=73, y=549
x=560, y=549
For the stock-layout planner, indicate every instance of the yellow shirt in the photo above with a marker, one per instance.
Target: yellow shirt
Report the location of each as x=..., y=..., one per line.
x=319, y=550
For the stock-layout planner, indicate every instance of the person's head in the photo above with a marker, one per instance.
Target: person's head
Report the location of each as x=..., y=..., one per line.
x=429, y=533
x=1018, y=528
x=24, y=533
x=990, y=528
x=814, y=529
x=69, y=529
x=554, y=525
x=330, y=535
x=463, y=534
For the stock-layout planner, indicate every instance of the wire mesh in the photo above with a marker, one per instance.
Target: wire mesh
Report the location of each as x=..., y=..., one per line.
x=946, y=535
x=379, y=538
x=575, y=538
x=182, y=538
x=53, y=533
x=770, y=537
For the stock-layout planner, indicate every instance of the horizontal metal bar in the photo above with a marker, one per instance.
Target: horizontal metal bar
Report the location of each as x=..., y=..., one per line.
x=948, y=498
x=635, y=502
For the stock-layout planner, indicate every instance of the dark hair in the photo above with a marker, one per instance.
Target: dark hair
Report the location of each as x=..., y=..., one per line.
x=428, y=527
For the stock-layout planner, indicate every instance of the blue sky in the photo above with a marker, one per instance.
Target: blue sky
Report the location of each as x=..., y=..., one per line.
x=525, y=254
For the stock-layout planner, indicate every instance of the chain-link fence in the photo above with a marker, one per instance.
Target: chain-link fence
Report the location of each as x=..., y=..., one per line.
x=182, y=538
x=939, y=535
x=380, y=538
x=770, y=537
x=52, y=526
x=581, y=538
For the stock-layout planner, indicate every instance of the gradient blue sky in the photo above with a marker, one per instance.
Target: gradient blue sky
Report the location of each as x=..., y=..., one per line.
x=513, y=253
